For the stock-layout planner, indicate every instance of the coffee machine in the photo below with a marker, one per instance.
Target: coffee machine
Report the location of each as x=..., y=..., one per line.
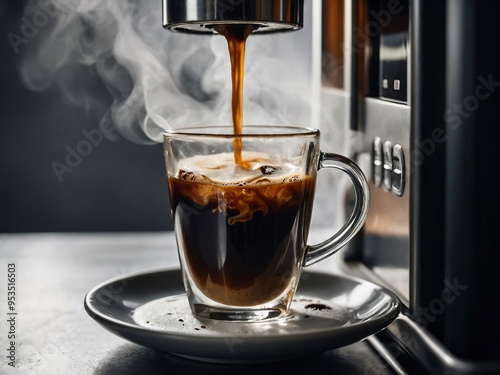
x=414, y=87
x=419, y=83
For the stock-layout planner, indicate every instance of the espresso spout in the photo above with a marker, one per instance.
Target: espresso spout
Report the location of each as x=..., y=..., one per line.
x=201, y=16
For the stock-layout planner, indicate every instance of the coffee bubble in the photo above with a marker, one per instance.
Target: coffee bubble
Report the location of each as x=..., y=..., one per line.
x=268, y=169
x=221, y=169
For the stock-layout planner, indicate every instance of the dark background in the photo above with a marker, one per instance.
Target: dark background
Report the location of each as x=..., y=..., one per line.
x=118, y=186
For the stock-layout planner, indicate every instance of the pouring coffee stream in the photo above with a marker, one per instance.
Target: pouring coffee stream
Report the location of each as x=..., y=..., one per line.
x=235, y=21
x=236, y=36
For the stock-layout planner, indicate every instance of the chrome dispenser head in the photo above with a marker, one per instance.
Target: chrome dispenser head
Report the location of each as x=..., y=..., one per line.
x=200, y=16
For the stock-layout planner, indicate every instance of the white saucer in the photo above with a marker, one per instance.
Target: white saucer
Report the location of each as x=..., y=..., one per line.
x=328, y=312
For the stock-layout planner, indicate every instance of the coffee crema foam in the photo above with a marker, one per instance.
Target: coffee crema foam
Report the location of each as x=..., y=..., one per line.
x=262, y=185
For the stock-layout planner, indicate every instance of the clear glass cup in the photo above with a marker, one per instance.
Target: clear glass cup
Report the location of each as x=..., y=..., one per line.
x=242, y=206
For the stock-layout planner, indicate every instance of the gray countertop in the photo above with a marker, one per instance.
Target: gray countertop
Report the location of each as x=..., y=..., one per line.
x=54, y=334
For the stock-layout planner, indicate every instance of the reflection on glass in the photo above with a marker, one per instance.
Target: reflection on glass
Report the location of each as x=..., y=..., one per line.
x=333, y=43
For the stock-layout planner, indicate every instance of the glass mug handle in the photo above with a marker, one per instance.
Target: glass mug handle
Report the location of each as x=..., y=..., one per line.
x=315, y=253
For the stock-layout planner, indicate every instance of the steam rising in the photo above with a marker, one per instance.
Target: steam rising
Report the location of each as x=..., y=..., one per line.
x=155, y=79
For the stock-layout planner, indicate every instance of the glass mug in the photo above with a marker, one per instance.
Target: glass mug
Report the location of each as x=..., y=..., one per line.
x=241, y=228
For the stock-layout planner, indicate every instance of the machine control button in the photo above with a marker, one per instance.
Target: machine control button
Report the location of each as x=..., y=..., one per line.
x=377, y=162
x=398, y=170
x=387, y=166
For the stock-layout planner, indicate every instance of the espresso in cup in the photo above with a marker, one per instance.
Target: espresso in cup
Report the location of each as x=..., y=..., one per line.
x=242, y=228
